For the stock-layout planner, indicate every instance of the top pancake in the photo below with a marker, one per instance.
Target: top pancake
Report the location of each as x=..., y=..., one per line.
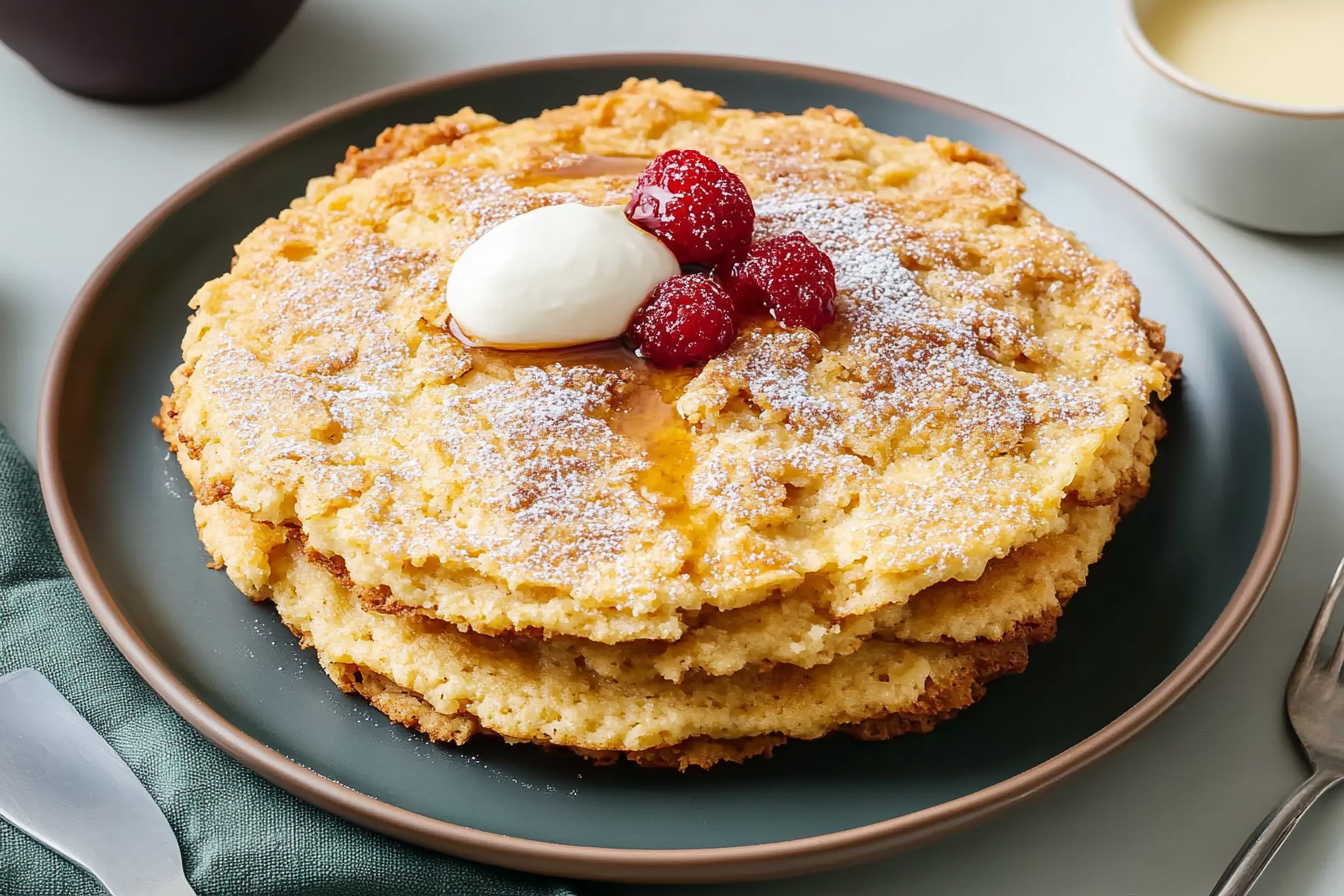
x=982, y=366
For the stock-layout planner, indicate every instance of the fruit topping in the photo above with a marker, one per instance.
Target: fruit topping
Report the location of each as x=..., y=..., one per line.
x=702, y=212
x=697, y=207
x=747, y=295
x=685, y=322
x=790, y=276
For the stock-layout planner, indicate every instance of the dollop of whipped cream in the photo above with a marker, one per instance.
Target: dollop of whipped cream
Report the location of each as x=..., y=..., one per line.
x=555, y=276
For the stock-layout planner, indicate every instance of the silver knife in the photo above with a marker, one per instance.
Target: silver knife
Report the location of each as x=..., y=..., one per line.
x=64, y=786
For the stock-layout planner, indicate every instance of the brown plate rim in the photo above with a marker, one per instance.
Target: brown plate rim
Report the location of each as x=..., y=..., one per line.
x=775, y=859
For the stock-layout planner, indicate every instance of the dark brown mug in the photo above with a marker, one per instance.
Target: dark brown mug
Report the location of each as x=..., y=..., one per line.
x=142, y=51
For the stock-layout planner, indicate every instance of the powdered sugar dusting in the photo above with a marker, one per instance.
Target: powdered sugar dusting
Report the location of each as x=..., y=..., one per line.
x=335, y=355
x=329, y=363
x=919, y=362
x=491, y=200
x=548, y=461
x=517, y=475
x=900, y=385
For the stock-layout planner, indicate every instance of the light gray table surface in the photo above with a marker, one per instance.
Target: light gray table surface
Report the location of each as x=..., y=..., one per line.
x=1162, y=816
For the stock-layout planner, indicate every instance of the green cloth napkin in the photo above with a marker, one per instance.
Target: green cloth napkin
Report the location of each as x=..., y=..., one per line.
x=240, y=835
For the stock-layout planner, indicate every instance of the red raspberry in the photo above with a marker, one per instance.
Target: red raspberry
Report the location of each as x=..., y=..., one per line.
x=697, y=207
x=686, y=321
x=747, y=294
x=787, y=274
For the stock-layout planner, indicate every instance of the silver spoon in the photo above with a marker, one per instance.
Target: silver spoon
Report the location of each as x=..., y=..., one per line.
x=1316, y=710
x=62, y=785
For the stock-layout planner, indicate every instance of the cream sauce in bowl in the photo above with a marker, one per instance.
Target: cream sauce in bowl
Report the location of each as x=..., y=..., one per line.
x=1279, y=51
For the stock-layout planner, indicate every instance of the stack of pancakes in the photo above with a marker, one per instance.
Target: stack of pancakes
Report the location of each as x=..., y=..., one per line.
x=846, y=531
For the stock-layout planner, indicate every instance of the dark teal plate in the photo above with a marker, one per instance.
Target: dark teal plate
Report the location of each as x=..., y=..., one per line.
x=1177, y=584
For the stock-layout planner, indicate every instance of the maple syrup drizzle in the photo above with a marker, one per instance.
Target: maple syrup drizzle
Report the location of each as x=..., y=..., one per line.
x=649, y=418
x=579, y=166
x=608, y=354
x=471, y=342
x=647, y=414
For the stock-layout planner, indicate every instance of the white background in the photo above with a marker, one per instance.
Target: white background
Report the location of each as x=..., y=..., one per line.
x=1164, y=815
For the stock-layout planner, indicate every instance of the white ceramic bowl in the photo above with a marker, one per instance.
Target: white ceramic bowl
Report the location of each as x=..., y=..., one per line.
x=1265, y=165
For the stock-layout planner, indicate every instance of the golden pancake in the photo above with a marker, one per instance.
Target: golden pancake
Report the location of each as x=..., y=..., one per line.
x=942, y=699
x=533, y=690
x=1018, y=595
x=985, y=374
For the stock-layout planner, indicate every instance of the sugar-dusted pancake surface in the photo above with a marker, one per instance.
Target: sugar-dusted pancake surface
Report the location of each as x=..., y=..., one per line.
x=983, y=372
x=1019, y=595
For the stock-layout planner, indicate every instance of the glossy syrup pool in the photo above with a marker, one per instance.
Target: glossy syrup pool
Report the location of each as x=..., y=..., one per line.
x=646, y=413
x=573, y=167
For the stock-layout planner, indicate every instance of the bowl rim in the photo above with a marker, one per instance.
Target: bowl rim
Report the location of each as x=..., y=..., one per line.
x=764, y=860
x=1144, y=49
